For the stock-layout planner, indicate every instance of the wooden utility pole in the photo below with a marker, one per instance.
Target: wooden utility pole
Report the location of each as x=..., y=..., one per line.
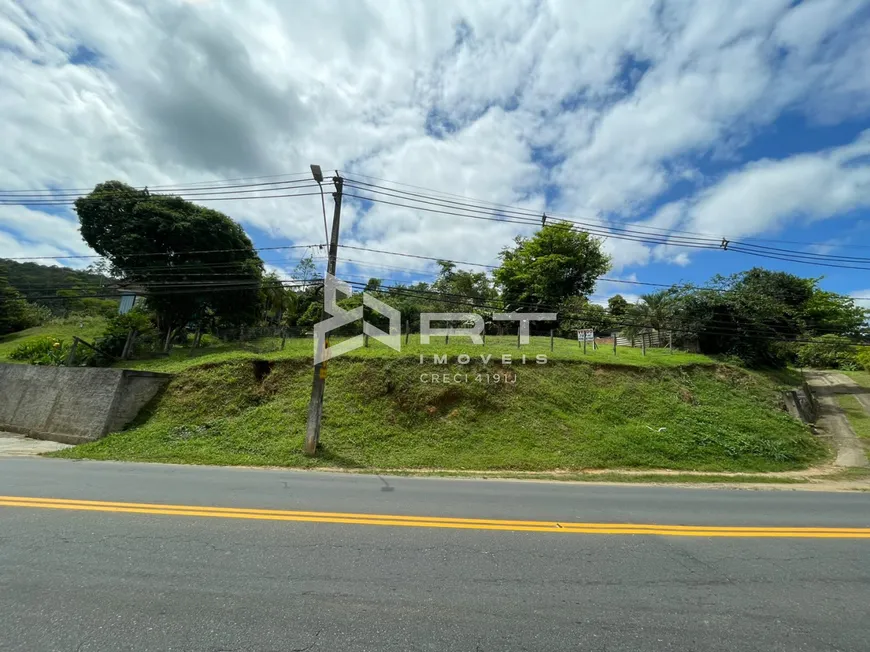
x=315, y=405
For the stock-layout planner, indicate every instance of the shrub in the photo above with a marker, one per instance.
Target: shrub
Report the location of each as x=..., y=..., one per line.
x=18, y=315
x=118, y=327
x=828, y=352
x=863, y=358
x=46, y=351
x=207, y=340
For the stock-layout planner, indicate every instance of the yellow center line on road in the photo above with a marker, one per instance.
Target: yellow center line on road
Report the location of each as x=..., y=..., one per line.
x=433, y=521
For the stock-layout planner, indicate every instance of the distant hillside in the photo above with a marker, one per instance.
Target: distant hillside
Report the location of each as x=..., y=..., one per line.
x=40, y=283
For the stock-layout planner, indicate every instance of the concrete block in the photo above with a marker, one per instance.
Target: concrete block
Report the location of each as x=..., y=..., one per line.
x=73, y=404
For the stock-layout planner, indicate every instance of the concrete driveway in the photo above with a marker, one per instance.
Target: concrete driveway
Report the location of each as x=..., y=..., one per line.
x=12, y=445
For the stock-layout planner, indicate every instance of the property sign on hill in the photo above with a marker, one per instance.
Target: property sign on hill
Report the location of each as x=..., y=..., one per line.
x=587, y=334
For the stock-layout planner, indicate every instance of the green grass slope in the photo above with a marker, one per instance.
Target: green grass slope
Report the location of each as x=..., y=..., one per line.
x=378, y=414
x=302, y=348
x=87, y=328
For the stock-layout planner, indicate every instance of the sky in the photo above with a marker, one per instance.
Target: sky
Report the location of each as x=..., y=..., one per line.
x=739, y=119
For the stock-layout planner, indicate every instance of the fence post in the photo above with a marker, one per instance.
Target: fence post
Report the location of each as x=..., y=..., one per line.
x=518, y=337
x=365, y=339
x=126, y=348
x=594, y=343
x=133, y=337
x=407, y=331
x=614, y=344
x=71, y=356
x=643, y=344
x=584, y=343
x=195, y=342
x=551, y=339
x=671, y=341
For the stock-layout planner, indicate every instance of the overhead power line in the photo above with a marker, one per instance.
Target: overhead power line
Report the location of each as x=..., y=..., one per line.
x=183, y=268
x=193, y=288
x=166, y=187
x=637, y=233
x=558, y=215
x=168, y=253
x=719, y=327
x=534, y=216
x=603, y=278
x=200, y=197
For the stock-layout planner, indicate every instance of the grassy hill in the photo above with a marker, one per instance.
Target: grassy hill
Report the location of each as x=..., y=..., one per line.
x=567, y=414
x=302, y=348
x=88, y=328
x=229, y=404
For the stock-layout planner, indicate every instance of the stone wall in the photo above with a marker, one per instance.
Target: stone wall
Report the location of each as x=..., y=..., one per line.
x=72, y=404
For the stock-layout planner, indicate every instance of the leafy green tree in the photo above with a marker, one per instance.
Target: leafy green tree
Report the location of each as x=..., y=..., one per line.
x=39, y=283
x=195, y=263
x=373, y=285
x=277, y=299
x=305, y=270
x=540, y=272
x=312, y=315
x=656, y=310
x=830, y=313
x=617, y=306
x=751, y=315
x=463, y=291
x=828, y=352
x=467, y=287
x=15, y=312
x=578, y=313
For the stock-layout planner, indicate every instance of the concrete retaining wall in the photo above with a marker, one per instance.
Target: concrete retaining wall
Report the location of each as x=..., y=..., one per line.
x=72, y=404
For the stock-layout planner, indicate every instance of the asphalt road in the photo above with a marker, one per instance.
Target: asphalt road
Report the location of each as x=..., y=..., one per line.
x=104, y=580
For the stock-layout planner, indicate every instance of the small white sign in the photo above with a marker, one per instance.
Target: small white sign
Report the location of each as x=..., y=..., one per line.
x=587, y=334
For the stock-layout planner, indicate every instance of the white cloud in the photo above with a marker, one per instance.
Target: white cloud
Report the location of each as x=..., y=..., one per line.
x=475, y=98
x=765, y=195
x=862, y=298
x=37, y=226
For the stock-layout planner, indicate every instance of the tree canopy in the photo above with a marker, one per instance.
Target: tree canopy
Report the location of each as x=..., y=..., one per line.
x=556, y=263
x=196, y=263
x=617, y=305
x=755, y=314
x=16, y=313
